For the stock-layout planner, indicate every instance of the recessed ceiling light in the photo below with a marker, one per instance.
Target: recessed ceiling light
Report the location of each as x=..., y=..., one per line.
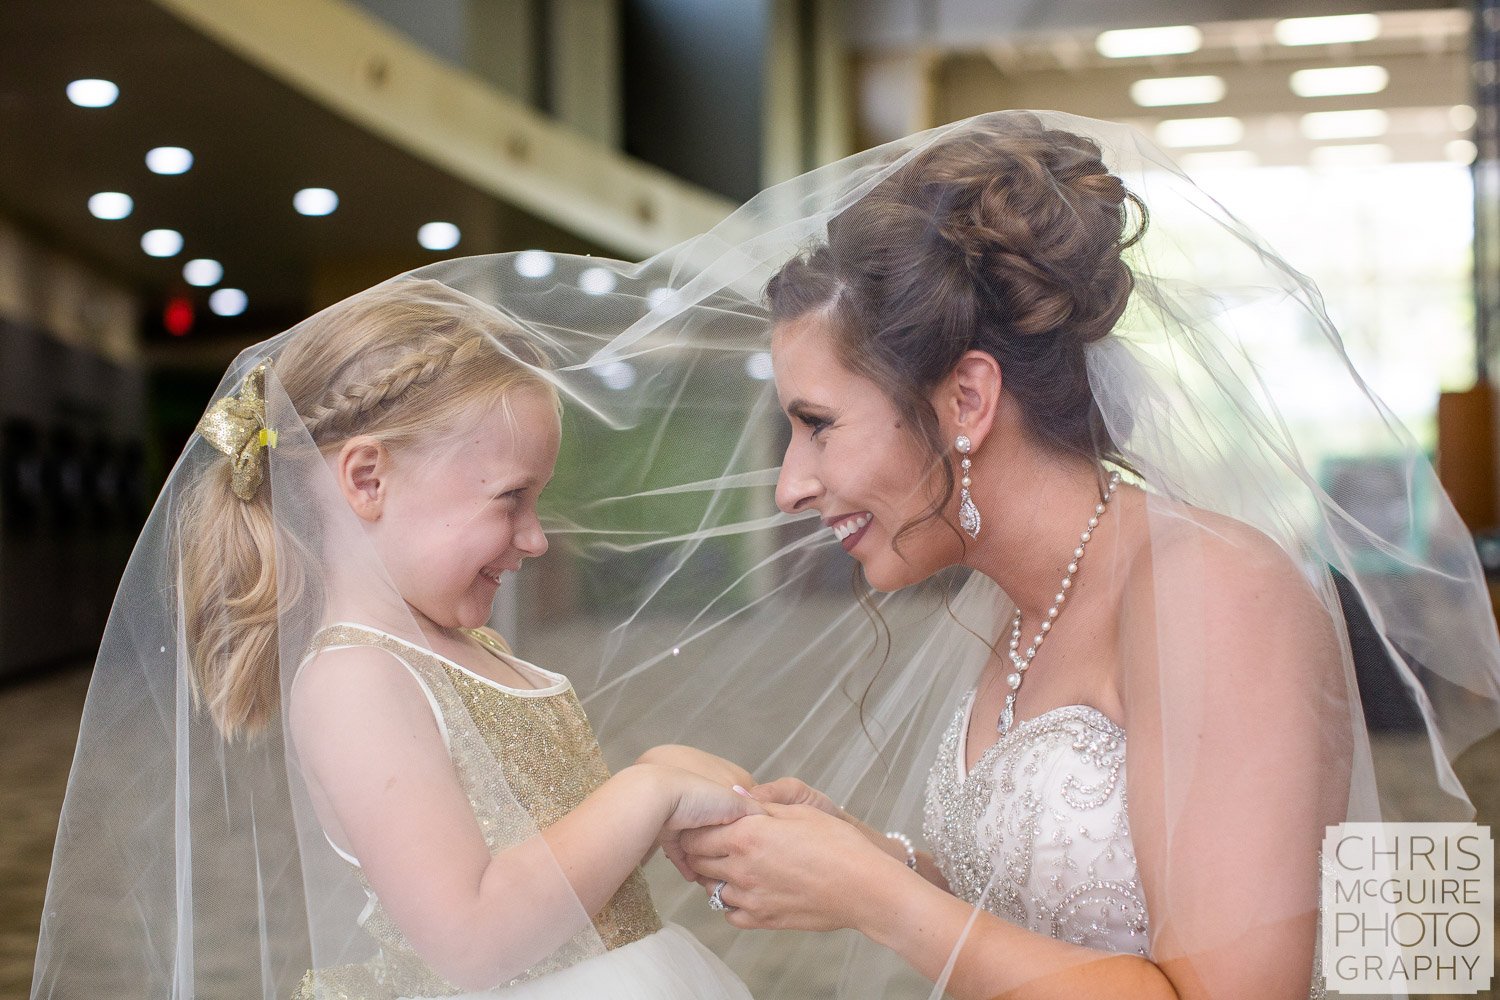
x=93, y=93
x=228, y=302
x=169, y=160
x=203, y=272
x=1167, y=91
x=1461, y=117
x=1128, y=43
x=162, y=242
x=315, y=201
x=597, y=281
x=110, y=205
x=1335, y=30
x=535, y=263
x=1335, y=81
x=657, y=296
x=1190, y=132
x=438, y=236
x=1364, y=123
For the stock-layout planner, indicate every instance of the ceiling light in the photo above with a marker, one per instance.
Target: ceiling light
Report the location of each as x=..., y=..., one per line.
x=1131, y=42
x=110, y=205
x=228, y=302
x=618, y=375
x=1369, y=154
x=162, y=242
x=438, y=236
x=535, y=263
x=93, y=93
x=202, y=272
x=1338, y=29
x=1166, y=91
x=597, y=281
x=657, y=296
x=1461, y=151
x=758, y=366
x=169, y=160
x=1189, y=132
x=1323, y=125
x=1335, y=81
x=315, y=201
x=1461, y=117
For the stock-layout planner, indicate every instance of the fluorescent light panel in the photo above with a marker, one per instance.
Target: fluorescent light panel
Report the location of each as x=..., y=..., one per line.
x=1335, y=30
x=1220, y=159
x=1335, y=81
x=1370, y=154
x=1128, y=43
x=1320, y=126
x=1192, y=132
x=1167, y=91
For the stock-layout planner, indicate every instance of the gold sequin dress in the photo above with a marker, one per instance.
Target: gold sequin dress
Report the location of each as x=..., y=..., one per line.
x=551, y=762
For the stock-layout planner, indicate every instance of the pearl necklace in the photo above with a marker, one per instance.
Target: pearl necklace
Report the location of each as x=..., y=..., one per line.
x=1021, y=662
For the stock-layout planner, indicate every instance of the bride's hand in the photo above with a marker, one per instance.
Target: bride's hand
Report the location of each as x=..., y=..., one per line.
x=797, y=868
x=717, y=769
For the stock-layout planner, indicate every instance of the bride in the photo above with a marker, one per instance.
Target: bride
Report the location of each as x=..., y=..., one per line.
x=1131, y=797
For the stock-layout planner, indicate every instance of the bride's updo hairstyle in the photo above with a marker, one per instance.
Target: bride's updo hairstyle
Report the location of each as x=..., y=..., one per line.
x=409, y=363
x=1006, y=237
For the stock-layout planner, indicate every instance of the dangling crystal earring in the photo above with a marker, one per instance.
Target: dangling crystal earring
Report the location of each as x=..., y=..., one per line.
x=968, y=513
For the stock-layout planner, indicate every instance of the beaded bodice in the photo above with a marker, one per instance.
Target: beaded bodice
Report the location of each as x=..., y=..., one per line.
x=551, y=762
x=1041, y=824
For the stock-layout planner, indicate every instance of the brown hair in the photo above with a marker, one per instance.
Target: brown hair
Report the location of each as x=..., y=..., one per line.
x=405, y=362
x=1004, y=236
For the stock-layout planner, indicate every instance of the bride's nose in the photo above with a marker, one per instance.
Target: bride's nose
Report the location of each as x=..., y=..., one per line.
x=797, y=487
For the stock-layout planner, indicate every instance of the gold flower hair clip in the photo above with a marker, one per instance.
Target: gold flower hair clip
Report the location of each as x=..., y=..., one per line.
x=236, y=426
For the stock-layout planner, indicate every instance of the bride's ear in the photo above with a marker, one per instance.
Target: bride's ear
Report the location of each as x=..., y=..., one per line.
x=363, y=468
x=968, y=399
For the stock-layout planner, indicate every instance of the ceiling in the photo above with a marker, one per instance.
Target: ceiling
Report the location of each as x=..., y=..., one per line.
x=255, y=143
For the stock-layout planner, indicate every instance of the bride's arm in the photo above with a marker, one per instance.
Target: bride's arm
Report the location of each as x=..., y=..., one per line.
x=376, y=761
x=1232, y=773
x=801, y=868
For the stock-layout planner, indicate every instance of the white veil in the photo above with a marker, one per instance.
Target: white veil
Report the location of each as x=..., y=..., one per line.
x=685, y=608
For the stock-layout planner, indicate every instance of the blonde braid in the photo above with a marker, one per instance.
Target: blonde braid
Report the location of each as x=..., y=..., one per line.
x=356, y=403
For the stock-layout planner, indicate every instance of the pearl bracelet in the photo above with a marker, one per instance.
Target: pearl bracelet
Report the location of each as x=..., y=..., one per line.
x=905, y=841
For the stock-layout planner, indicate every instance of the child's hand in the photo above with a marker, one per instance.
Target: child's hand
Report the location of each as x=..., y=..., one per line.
x=716, y=769
x=694, y=802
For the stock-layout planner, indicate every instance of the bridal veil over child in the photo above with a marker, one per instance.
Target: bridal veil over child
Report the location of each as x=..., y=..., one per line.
x=691, y=611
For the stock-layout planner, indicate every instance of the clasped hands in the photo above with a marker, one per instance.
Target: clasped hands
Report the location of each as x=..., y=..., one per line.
x=797, y=865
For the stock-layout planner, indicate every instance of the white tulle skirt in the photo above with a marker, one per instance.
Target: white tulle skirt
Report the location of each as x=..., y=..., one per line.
x=668, y=965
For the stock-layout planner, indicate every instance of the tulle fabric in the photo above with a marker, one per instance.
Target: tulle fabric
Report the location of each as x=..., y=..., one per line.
x=685, y=608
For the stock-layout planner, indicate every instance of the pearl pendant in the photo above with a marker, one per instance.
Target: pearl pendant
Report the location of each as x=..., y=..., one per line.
x=1014, y=680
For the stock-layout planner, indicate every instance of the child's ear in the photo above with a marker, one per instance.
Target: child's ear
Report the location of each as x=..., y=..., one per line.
x=363, y=466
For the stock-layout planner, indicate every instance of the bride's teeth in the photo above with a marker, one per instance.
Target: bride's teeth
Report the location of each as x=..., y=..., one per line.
x=844, y=529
